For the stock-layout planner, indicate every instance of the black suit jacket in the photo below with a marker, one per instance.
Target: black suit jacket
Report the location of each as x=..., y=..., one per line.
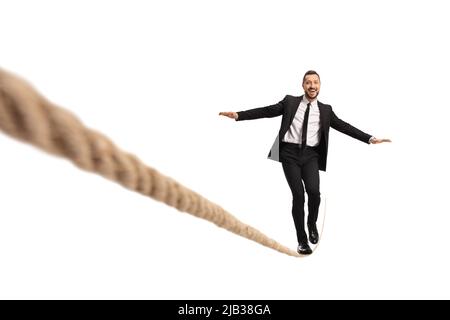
x=287, y=108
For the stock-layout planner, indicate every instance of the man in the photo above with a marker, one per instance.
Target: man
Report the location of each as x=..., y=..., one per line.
x=301, y=146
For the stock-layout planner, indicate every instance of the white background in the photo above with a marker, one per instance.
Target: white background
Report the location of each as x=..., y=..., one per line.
x=153, y=76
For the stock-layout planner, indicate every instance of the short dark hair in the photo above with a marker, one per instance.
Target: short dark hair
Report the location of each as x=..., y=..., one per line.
x=309, y=72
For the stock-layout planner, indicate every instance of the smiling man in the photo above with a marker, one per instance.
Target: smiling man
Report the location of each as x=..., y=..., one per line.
x=301, y=147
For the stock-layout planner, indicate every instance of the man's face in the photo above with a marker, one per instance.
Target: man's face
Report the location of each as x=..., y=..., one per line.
x=311, y=85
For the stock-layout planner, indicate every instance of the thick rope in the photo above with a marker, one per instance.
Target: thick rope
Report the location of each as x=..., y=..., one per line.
x=29, y=117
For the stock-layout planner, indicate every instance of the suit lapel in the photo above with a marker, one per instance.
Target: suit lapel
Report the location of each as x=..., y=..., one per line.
x=322, y=113
x=324, y=116
x=296, y=104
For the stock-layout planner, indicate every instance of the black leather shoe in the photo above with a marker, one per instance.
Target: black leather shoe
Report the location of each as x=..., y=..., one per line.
x=313, y=234
x=303, y=248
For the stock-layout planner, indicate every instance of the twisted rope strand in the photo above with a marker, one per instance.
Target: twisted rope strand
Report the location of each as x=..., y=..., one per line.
x=28, y=116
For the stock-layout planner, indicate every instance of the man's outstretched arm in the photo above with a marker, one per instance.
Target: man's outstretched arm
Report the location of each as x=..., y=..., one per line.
x=257, y=113
x=353, y=132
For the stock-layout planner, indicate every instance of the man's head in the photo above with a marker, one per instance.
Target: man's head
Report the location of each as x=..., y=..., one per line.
x=311, y=84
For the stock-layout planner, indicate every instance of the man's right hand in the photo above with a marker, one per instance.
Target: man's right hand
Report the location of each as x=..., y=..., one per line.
x=230, y=114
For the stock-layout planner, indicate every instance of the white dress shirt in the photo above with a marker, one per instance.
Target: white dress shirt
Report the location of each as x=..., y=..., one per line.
x=294, y=134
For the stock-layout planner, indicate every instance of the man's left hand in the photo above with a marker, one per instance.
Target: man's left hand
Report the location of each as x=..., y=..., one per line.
x=374, y=140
